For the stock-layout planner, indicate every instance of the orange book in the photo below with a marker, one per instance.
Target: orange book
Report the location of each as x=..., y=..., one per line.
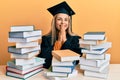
x=65, y=55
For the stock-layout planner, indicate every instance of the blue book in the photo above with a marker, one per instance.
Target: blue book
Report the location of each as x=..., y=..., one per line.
x=64, y=69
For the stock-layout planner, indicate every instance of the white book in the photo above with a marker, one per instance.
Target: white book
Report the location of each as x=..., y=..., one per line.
x=26, y=44
x=95, y=56
x=96, y=74
x=24, y=56
x=95, y=69
x=24, y=39
x=38, y=62
x=61, y=75
x=94, y=63
x=21, y=28
x=23, y=76
x=102, y=45
x=102, y=74
x=95, y=51
x=57, y=78
x=83, y=42
x=74, y=73
x=63, y=69
x=56, y=62
x=25, y=61
x=10, y=69
x=56, y=74
x=94, y=36
x=25, y=34
x=13, y=49
x=99, y=46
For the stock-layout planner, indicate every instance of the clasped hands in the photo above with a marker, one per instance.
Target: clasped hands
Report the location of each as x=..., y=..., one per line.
x=62, y=34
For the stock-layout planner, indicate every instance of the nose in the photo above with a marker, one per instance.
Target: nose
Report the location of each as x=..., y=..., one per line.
x=62, y=22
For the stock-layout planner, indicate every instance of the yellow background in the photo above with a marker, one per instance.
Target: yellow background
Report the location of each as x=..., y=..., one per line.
x=91, y=15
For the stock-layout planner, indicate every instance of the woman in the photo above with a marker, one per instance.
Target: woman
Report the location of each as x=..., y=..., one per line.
x=60, y=37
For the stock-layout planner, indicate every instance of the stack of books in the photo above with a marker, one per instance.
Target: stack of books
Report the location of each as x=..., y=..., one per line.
x=95, y=61
x=63, y=64
x=24, y=62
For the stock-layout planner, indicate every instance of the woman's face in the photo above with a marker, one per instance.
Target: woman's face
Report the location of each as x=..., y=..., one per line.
x=62, y=21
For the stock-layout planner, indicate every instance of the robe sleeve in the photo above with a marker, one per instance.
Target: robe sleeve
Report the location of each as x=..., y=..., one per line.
x=46, y=50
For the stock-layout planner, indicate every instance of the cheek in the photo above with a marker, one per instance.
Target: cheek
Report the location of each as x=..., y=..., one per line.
x=57, y=26
x=57, y=23
x=66, y=26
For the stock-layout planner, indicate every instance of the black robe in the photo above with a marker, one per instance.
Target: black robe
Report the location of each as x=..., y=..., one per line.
x=71, y=43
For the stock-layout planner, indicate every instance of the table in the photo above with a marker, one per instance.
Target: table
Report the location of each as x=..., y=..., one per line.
x=114, y=74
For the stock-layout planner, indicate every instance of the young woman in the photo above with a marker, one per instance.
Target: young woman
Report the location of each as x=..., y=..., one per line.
x=60, y=37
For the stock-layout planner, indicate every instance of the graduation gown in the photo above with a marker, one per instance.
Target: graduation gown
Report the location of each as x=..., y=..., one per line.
x=71, y=43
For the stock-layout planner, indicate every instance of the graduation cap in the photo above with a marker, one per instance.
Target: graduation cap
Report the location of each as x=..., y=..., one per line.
x=62, y=7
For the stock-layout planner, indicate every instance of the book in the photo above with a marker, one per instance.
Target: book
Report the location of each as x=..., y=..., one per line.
x=12, y=74
x=24, y=39
x=56, y=62
x=23, y=72
x=94, y=63
x=74, y=73
x=25, y=34
x=99, y=46
x=103, y=74
x=91, y=42
x=26, y=61
x=56, y=74
x=65, y=55
x=95, y=51
x=63, y=69
x=27, y=44
x=24, y=56
x=95, y=69
x=38, y=62
x=102, y=45
x=13, y=49
x=61, y=75
x=57, y=78
x=96, y=56
x=94, y=36
x=21, y=28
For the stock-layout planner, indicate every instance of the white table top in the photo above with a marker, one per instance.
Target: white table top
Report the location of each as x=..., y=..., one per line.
x=114, y=74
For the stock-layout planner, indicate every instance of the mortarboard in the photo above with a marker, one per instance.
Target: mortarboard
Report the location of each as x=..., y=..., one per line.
x=62, y=7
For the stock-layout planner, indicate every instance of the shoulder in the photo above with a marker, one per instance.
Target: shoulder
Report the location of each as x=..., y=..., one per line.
x=74, y=37
x=46, y=40
x=77, y=37
x=46, y=37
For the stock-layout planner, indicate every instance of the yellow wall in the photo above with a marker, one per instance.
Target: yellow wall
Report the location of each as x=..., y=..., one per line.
x=91, y=15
